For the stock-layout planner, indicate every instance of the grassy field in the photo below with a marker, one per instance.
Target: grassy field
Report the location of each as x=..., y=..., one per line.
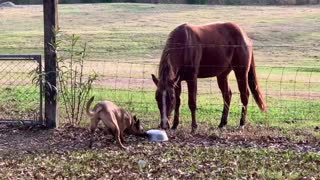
x=125, y=43
x=138, y=31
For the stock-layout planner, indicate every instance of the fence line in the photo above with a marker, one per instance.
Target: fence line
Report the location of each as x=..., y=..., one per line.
x=312, y=46
x=291, y=91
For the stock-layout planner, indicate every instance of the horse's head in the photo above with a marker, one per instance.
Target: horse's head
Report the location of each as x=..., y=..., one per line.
x=166, y=100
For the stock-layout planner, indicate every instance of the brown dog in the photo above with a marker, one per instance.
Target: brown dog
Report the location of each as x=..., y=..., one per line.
x=116, y=120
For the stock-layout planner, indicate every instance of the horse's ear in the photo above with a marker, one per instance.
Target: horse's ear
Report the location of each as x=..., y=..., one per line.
x=135, y=118
x=155, y=80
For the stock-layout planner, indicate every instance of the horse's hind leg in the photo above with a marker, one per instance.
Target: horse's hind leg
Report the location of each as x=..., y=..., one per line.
x=242, y=79
x=192, y=102
x=226, y=94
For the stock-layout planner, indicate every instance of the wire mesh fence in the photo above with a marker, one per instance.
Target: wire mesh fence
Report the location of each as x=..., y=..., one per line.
x=292, y=93
x=20, y=90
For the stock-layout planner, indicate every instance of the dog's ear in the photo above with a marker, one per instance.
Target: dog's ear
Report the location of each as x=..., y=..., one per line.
x=155, y=80
x=138, y=123
x=135, y=118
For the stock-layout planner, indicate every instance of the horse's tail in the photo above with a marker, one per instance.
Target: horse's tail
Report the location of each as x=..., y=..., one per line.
x=88, y=111
x=254, y=87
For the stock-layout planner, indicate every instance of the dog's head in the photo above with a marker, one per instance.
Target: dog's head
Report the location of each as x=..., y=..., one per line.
x=136, y=127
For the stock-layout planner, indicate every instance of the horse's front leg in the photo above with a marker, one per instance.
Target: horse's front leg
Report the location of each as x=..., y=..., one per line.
x=192, y=102
x=177, y=107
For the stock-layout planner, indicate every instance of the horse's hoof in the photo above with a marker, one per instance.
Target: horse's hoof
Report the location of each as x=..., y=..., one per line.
x=193, y=130
x=174, y=126
x=222, y=125
x=221, y=129
x=164, y=126
x=194, y=127
x=172, y=133
x=240, y=127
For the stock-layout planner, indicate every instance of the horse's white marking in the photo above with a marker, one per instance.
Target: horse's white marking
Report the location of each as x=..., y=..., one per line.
x=164, y=109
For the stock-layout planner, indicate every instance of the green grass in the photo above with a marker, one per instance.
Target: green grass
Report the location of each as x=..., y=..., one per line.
x=19, y=103
x=171, y=161
x=282, y=113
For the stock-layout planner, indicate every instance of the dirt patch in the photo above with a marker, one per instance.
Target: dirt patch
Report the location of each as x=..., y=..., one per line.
x=64, y=153
x=126, y=83
x=76, y=138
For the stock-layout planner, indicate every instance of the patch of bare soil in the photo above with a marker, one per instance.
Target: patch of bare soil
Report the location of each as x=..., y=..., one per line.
x=22, y=140
x=122, y=83
x=259, y=137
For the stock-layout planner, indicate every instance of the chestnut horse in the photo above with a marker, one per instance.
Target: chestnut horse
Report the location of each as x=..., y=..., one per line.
x=202, y=51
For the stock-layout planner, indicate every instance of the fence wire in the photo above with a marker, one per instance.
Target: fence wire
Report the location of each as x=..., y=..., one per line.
x=291, y=90
x=292, y=93
x=20, y=97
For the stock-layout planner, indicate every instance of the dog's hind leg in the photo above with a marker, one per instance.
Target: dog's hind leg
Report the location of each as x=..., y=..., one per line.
x=93, y=126
x=117, y=136
x=110, y=132
x=121, y=137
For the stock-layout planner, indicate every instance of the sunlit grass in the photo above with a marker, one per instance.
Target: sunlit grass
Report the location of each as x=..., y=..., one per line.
x=281, y=113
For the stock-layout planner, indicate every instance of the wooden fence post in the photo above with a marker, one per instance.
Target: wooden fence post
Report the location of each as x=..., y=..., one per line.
x=50, y=17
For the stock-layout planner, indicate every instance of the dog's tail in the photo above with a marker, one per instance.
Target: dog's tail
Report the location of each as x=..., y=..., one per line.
x=89, y=112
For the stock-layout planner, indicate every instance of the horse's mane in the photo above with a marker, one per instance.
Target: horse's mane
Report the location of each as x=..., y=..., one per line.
x=165, y=72
x=174, y=42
